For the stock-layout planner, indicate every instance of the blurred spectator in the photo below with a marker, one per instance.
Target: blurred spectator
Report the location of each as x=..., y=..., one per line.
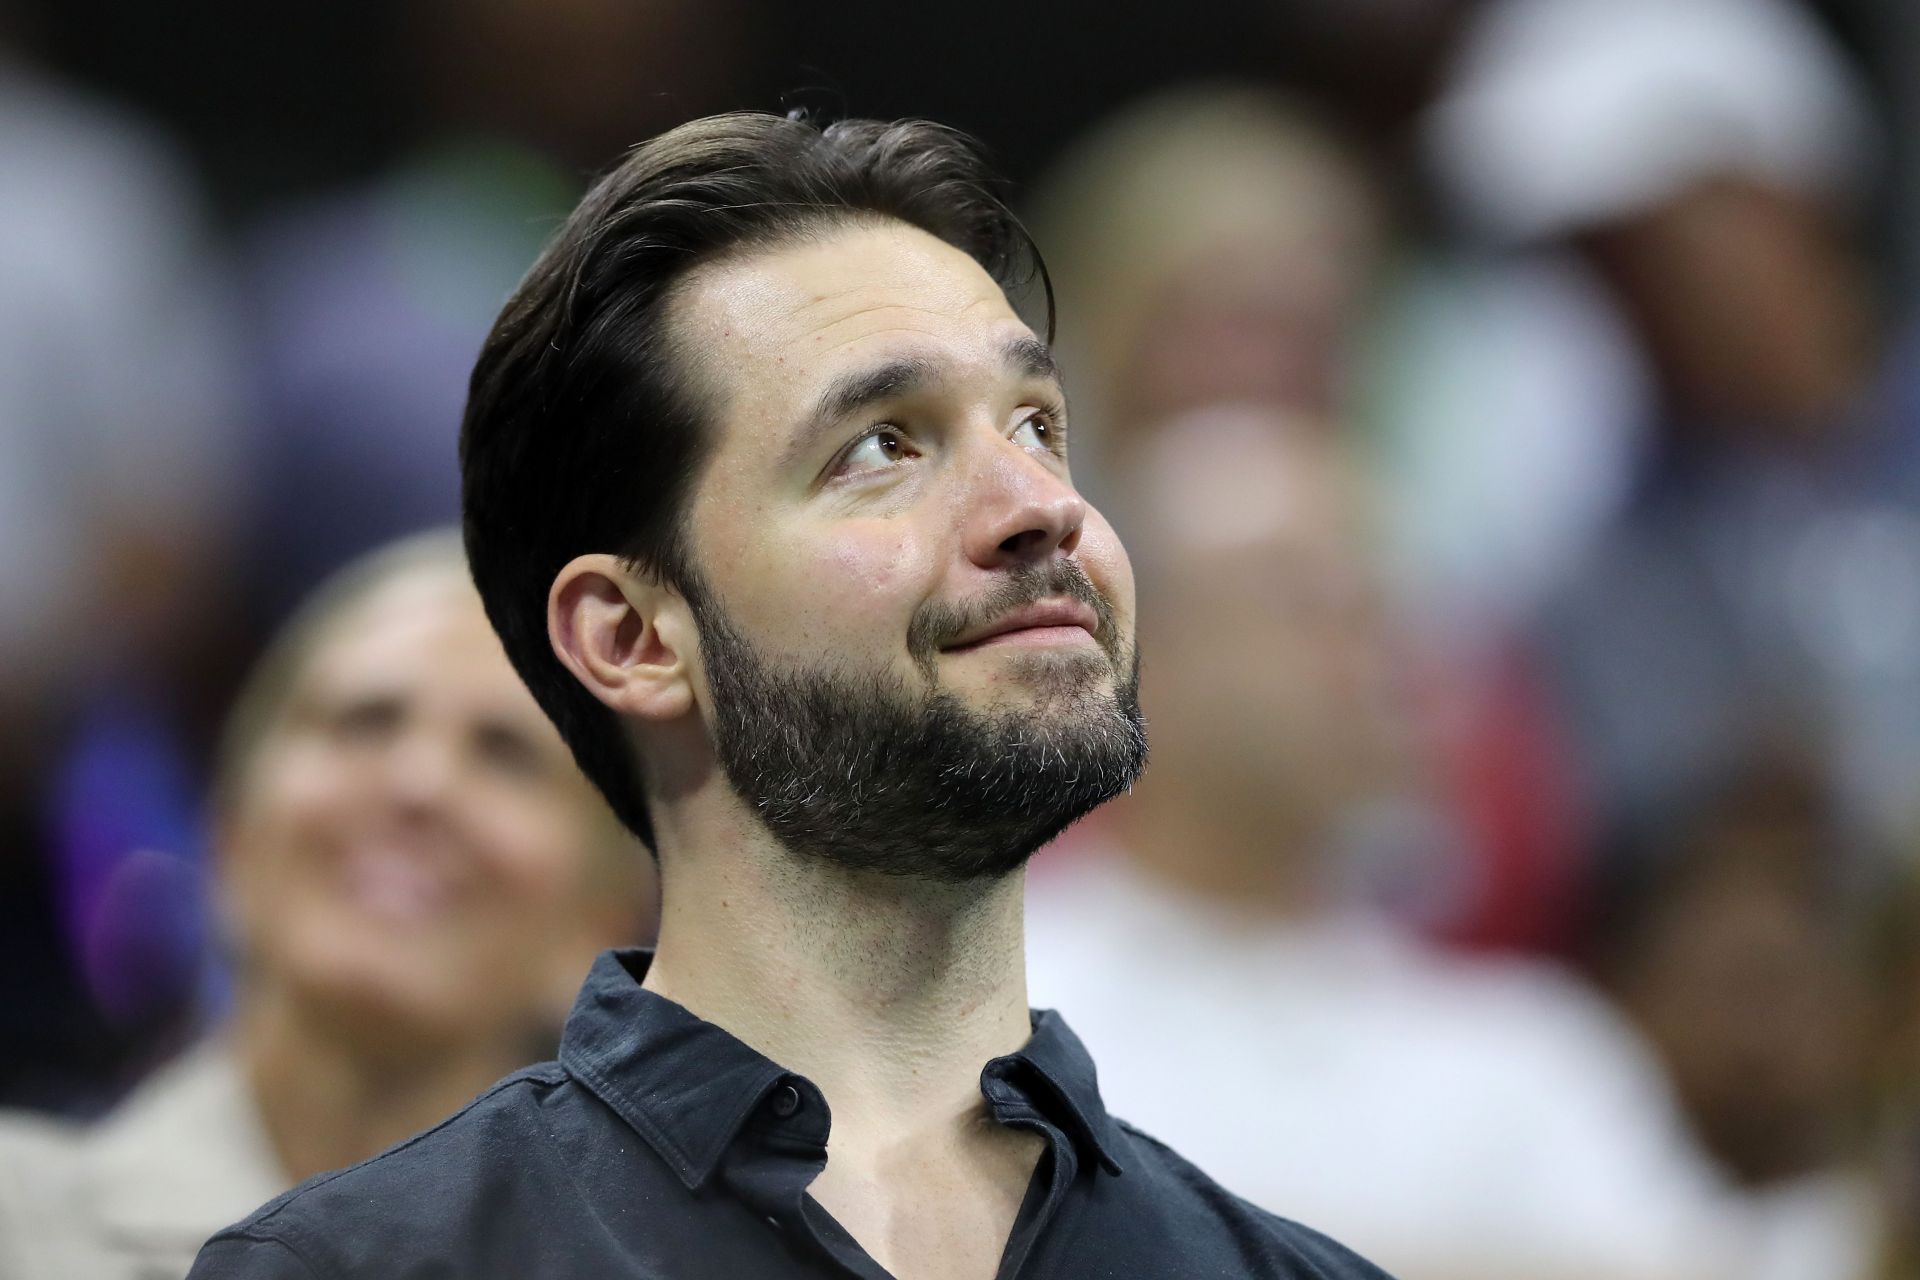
x=1211, y=244
x=371, y=303
x=1562, y=115
x=1506, y=402
x=117, y=423
x=414, y=877
x=1457, y=1118
x=1218, y=245
x=1699, y=161
x=119, y=471
x=1894, y=1035
x=1737, y=942
x=1699, y=165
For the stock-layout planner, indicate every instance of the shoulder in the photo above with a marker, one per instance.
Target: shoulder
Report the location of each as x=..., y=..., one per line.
x=426, y=1199
x=40, y=1159
x=1269, y=1244
x=1504, y=1021
x=30, y=1134
x=1537, y=1036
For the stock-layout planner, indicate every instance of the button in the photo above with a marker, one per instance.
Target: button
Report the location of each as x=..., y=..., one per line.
x=786, y=1101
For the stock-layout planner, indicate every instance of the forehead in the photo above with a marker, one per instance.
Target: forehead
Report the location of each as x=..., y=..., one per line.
x=768, y=329
x=418, y=628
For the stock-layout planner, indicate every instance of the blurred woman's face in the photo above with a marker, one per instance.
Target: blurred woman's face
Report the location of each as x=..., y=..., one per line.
x=407, y=851
x=1250, y=323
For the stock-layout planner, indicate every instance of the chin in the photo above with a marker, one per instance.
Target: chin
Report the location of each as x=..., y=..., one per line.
x=388, y=991
x=1043, y=677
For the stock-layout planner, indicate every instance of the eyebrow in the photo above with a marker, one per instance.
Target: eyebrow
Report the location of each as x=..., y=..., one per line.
x=1031, y=357
x=852, y=393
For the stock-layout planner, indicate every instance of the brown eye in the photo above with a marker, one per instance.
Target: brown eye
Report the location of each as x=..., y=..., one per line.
x=1035, y=432
x=876, y=450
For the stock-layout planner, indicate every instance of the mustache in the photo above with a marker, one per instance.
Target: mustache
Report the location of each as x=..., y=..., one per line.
x=936, y=625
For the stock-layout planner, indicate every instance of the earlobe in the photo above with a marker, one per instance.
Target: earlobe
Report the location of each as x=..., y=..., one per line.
x=617, y=631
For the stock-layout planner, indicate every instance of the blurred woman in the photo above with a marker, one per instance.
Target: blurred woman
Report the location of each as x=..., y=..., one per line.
x=1211, y=245
x=414, y=878
x=1224, y=249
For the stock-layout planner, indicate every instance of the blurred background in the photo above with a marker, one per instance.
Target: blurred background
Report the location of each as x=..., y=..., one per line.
x=1513, y=407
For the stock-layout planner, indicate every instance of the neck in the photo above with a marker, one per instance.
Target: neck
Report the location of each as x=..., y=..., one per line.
x=1253, y=853
x=888, y=994
x=329, y=1100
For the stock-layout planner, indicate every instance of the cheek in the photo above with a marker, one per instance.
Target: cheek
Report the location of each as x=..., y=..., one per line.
x=292, y=809
x=818, y=593
x=1104, y=558
x=869, y=572
x=276, y=885
x=533, y=845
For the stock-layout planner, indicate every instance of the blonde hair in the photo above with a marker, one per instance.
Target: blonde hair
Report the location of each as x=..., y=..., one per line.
x=1164, y=183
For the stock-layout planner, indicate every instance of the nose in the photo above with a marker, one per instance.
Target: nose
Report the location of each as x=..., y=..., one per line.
x=1020, y=510
x=421, y=771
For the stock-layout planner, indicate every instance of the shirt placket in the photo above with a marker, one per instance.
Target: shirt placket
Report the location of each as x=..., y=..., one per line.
x=783, y=1147
x=780, y=1151
x=1055, y=1174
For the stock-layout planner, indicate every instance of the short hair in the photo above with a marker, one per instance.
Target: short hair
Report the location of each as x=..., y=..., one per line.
x=583, y=432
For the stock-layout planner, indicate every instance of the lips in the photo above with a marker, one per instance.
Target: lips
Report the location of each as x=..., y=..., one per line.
x=1039, y=622
x=395, y=884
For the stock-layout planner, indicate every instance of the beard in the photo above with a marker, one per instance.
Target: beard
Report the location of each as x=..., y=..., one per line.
x=860, y=770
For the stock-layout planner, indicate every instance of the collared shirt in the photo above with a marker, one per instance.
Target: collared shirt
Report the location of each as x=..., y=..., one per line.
x=659, y=1145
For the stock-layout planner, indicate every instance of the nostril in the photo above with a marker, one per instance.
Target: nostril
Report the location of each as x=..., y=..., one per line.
x=1025, y=543
x=1033, y=529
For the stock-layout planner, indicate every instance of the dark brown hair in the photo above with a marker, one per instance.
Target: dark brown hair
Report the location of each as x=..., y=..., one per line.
x=582, y=431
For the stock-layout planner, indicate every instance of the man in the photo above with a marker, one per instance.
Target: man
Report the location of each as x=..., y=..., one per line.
x=767, y=494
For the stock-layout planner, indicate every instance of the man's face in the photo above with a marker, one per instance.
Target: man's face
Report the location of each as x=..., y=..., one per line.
x=917, y=639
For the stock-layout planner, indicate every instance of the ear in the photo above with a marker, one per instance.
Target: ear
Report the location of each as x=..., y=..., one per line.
x=625, y=635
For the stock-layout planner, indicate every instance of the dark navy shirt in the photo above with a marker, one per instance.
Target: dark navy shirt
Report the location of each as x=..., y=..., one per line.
x=661, y=1146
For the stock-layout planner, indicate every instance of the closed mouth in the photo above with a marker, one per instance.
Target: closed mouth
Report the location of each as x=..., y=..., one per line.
x=1044, y=622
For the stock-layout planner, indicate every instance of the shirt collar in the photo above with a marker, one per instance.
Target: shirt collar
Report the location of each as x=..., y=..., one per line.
x=1064, y=1065
x=687, y=1086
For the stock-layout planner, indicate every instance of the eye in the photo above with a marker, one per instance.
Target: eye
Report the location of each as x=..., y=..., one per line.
x=508, y=751
x=875, y=451
x=364, y=721
x=1037, y=431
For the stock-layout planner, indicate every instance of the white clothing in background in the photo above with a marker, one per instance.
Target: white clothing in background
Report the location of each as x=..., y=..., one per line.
x=1453, y=1119
x=135, y=1196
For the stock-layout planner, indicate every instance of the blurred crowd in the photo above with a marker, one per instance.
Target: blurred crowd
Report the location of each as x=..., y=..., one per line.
x=1512, y=408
